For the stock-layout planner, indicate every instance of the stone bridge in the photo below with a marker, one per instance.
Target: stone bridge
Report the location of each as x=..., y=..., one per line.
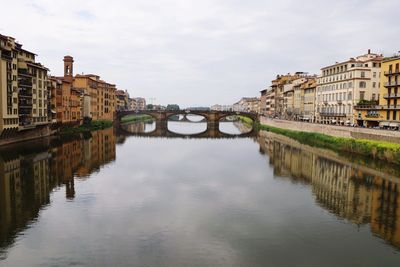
x=209, y=133
x=211, y=117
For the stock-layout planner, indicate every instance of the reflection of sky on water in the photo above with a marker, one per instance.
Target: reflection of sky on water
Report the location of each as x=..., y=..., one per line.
x=177, y=202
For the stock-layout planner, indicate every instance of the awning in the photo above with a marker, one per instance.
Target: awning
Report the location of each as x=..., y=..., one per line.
x=384, y=123
x=347, y=122
x=333, y=121
x=53, y=111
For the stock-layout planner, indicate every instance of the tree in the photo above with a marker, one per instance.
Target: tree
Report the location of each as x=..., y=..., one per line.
x=173, y=107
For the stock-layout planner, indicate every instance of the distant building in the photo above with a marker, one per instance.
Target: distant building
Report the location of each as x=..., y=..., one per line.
x=122, y=100
x=222, y=107
x=247, y=104
x=140, y=103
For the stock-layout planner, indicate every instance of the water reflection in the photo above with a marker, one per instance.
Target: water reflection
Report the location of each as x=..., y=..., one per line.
x=140, y=127
x=186, y=129
x=193, y=203
x=28, y=176
x=357, y=193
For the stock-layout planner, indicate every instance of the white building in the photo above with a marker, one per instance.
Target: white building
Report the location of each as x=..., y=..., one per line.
x=343, y=85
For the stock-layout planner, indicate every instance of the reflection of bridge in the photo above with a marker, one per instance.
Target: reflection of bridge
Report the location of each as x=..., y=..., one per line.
x=212, y=133
x=211, y=117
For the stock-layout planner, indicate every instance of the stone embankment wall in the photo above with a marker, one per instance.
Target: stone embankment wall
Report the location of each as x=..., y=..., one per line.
x=26, y=135
x=333, y=130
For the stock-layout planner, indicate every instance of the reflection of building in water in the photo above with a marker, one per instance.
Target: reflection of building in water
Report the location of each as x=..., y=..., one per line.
x=137, y=127
x=27, y=179
x=98, y=150
x=355, y=193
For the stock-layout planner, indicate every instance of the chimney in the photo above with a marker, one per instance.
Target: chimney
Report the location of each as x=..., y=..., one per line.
x=68, y=68
x=369, y=51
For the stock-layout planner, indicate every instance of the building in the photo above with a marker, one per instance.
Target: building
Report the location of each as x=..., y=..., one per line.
x=386, y=114
x=221, y=107
x=122, y=100
x=281, y=96
x=100, y=96
x=247, y=104
x=344, y=85
x=304, y=98
x=308, y=90
x=23, y=85
x=140, y=103
x=68, y=100
x=132, y=103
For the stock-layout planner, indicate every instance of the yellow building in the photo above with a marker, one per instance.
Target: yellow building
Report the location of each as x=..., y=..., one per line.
x=387, y=113
x=23, y=87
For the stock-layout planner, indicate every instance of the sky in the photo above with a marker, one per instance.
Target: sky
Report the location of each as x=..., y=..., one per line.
x=199, y=53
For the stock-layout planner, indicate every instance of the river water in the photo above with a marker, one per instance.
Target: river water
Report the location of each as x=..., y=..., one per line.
x=113, y=198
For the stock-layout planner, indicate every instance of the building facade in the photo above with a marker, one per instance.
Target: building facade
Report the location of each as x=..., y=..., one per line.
x=386, y=114
x=101, y=101
x=247, y=104
x=23, y=88
x=344, y=85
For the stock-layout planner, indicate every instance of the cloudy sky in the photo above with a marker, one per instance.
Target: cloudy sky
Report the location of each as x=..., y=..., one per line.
x=199, y=52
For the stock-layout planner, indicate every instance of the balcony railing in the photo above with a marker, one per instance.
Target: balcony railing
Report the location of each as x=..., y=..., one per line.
x=391, y=72
x=376, y=115
x=332, y=114
x=364, y=107
x=391, y=96
x=391, y=84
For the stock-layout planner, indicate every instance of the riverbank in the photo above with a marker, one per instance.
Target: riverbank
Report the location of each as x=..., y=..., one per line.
x=381, y=150
x=335, y=130
x=135, y=118
x=92, y=126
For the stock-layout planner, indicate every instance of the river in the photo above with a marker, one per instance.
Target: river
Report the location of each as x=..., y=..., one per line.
x=119, y=198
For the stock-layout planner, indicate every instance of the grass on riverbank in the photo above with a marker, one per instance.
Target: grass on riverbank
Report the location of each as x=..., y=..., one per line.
x=92, y=126
x=135, y=118
x=376, y=149
x=246, y=120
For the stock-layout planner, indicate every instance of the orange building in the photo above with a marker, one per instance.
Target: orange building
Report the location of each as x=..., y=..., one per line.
x=68, y=100
x=100, y=104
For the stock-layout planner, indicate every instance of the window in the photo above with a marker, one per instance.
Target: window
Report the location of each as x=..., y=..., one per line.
x=374, y=73
x=362, y=95
x=374, y=85
x=363, y=74
x=363, y=84
x=349, y=96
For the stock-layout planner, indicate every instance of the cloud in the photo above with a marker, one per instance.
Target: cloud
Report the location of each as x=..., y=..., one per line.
x=200, y=52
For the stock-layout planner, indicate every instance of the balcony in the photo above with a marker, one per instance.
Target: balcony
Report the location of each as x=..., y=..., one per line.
x=6, y=56
x=25, y=83
x=392, y=72
x=375, y=115
x=24, y=72
x=387, y=96
x=366, y=107
x=332, y=114
x=391, y=107
x=392, y=84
